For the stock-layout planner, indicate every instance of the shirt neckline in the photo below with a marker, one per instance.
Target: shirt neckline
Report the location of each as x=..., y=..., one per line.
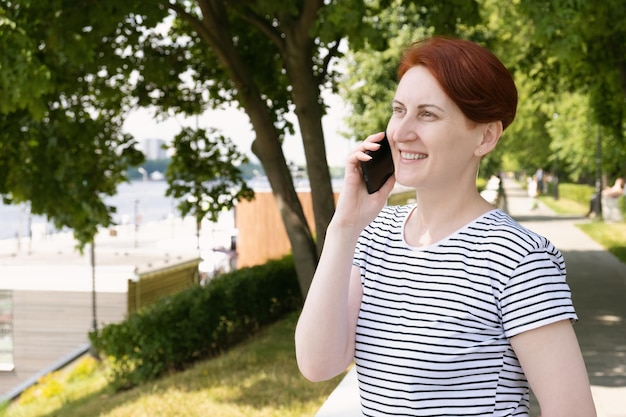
x=440, y=241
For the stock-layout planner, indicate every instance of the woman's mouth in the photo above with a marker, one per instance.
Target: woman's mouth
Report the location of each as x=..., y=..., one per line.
x=413, y=156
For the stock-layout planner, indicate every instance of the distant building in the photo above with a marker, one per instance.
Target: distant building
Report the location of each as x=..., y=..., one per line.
x=153, y=149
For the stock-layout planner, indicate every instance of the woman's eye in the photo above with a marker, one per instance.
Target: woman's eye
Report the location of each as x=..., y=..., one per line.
x=397, y=110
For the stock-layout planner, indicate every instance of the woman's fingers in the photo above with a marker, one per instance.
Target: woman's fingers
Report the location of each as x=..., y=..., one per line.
x=370, y=144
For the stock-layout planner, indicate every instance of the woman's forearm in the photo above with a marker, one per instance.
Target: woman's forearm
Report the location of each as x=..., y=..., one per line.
x=325, y=330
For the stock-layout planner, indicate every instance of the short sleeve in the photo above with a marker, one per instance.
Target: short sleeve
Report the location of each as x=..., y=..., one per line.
x=537, y=293
x=356, y=261
x=360, y=252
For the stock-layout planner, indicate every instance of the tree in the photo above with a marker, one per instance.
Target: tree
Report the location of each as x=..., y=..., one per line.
x=204, y=175
x=587, y=41
x=576, y=49
x=61, y=146
x=294, y=43
x=573, y=136
x=269, y=58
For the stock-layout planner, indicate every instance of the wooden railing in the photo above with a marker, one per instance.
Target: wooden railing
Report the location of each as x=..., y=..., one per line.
x=149, y=286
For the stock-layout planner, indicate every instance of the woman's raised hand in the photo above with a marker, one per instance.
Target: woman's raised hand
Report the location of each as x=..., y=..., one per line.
x=357, y=208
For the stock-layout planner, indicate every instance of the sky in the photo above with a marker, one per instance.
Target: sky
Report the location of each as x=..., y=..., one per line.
x=234, y=124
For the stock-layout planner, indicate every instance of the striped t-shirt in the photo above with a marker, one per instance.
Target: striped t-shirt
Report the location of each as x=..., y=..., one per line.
x=435, y=322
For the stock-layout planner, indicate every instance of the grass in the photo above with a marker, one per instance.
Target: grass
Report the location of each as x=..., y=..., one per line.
x=612, y=236
x=564, y=206
x=258, y=378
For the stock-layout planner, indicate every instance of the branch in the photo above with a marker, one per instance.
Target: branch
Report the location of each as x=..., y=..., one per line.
x=265, y=27
x=194, y=22
x=332, y=52
x=213, y=27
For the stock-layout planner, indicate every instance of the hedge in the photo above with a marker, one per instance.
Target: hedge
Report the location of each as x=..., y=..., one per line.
x=582, y=193
x=197, y=323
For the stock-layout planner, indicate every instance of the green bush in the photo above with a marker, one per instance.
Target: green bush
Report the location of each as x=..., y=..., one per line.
x=197, y=323
x=581, y=193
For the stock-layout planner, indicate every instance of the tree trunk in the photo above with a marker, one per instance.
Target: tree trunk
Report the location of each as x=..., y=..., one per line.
x=214, y=29
x=269, y=151
x=306, y=96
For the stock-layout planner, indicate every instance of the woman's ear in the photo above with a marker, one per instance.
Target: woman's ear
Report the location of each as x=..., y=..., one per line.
x=490, y=137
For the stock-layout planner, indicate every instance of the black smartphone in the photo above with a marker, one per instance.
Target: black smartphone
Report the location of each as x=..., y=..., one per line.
x=377, y=170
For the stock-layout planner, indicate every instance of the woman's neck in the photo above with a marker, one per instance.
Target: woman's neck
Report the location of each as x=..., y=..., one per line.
x=437, y=215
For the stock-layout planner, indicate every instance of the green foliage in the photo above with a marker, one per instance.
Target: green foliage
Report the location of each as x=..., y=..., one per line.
x=370, y=81
x=61, y=144
x=579, y=193
x=23, y=77
x=587, y=43
x=198, y=323
x=573, y=138
x=204, y=175
x=612, y=236
x=571, y=55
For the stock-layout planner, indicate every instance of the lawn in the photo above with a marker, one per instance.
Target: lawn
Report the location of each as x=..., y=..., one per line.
x=564, y=206
x=612, y=236
x=258, y=378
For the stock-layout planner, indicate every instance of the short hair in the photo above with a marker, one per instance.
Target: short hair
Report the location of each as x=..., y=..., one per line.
x=471, y=75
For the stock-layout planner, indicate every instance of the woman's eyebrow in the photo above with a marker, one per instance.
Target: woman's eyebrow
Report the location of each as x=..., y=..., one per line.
x=425, y=106
x=421, y=106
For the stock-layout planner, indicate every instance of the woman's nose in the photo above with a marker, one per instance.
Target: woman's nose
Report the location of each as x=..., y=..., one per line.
x=402, y=131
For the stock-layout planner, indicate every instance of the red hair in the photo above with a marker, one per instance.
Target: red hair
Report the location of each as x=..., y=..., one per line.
x=472, y=76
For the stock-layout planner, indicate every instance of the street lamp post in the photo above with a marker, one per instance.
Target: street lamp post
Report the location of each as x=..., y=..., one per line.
x=598, y=188
x=144, y=178
x=136, y=219
x=94, y=320
x=555, y=178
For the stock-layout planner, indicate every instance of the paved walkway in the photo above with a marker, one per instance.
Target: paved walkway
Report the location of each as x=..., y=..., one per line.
x=598, y=283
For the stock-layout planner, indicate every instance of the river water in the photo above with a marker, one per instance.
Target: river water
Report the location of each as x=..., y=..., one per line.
x=138, y=199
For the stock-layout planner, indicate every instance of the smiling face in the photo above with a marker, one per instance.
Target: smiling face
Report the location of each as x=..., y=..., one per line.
x=435, y=146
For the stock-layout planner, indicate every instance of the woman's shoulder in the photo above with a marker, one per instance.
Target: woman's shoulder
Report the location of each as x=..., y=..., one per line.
x=501, y=228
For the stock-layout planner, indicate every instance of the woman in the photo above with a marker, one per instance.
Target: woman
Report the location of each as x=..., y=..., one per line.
x=447, y=306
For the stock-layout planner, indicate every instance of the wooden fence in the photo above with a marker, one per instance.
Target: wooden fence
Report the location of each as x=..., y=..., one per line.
x=261, y=233
x=149, y=286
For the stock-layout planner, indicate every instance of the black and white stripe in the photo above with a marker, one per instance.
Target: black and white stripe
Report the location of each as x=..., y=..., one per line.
x=435, y=322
